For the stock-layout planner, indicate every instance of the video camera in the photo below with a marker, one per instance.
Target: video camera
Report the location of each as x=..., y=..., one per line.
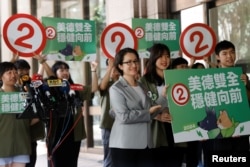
x=50, y=98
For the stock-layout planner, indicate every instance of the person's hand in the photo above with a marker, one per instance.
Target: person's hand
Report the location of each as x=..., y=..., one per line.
x=192, y=61
x=244, y=78
x=165, y=89
x=166, y=116
x=15, y=57
x=110, y=63
x=41, y=58
x=154, y=109
x=93, y=65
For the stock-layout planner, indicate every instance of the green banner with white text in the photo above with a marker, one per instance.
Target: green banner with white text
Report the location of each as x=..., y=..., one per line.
x=70, y=39
x=207, y=103
x=151, y=31
x=12, y=102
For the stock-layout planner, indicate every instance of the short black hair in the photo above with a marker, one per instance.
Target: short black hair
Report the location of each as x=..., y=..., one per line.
x=196, y=65
x=178, y=61
x=120, y=56
x=22, y=64
x=5, y=66
x=223, y=45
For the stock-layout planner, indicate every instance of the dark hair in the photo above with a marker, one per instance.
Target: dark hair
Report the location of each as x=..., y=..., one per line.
x=61, y=65
x=178, y=61
x=196, y=65
x=22, y=64
x=223, y=45
x=6, y=66
x=156, y=51
x=120, y=56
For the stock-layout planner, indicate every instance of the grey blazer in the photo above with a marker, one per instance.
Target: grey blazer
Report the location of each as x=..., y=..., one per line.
x=131, y=128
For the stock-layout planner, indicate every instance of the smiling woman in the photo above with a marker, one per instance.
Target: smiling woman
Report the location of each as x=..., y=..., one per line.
x=132, y=109
x=13, y=152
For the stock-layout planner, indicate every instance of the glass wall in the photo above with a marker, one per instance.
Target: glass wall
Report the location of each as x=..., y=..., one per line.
x=232, y=22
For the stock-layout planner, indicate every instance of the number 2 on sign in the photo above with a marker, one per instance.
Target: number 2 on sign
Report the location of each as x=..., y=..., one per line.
x=180, y=94
x=198, y=47
x=20, y=41
x=122, y=40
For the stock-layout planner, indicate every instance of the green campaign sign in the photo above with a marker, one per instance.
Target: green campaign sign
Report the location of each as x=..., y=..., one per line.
x=151, y=31
x=70, y=39
x=12, y=102
x=207, y=103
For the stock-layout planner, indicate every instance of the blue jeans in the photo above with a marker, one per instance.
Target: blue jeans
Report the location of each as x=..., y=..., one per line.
x=107, y=161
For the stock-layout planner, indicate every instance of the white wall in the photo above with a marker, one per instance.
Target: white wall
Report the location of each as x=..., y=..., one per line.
x=121, y=11
x=5, y=13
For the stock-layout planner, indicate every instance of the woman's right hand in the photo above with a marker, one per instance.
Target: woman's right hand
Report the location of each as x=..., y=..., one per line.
x=166, y=117
x=154, y=109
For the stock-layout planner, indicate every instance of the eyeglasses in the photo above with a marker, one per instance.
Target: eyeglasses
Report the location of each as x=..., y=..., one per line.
x=129, y=63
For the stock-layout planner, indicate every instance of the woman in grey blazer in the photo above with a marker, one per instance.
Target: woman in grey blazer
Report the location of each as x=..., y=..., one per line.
x=130, y=139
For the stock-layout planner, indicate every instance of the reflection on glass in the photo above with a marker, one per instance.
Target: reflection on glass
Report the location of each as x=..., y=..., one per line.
x=232, y=22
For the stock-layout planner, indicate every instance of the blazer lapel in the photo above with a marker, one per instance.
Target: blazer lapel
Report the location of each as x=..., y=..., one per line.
x=131, y=93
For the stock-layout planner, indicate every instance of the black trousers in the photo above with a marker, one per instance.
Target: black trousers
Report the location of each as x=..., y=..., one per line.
x=66, y=154
x=132, y=157
x=168, y=156
x=193, y=153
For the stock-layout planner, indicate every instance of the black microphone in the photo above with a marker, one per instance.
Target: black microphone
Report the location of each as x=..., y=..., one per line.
x=46, y=90
x=27, y=86
x=65, y=88
x=74, y=95
x=37, y=83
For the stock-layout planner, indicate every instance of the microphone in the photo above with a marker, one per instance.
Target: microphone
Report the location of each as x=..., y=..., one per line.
x=78, y=87
x=46, y=90
x=65, y=88
x=28, y=87
x=41, y=86
x=77, y=102
x=72, y=93
x=73, y=88
x=25, y=81
x=37, y=80
x=37, y=77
